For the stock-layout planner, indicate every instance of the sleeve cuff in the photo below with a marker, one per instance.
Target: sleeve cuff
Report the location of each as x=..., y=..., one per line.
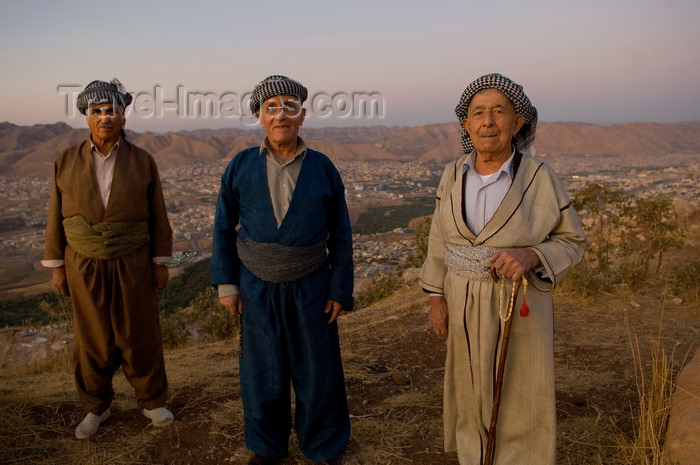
x=53, y=263
x=226, y=290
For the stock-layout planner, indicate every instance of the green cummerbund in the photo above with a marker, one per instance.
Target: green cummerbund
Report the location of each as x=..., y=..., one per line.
x=109, y=239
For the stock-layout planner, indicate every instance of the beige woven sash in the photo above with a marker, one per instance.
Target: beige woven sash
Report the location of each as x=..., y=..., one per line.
x=469, y=261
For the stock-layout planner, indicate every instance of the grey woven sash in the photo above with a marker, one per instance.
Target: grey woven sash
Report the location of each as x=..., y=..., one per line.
x=469, y=261
x=278, y=263
x=109, y=239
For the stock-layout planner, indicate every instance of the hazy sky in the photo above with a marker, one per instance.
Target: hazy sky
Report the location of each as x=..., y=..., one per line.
x=596, y=61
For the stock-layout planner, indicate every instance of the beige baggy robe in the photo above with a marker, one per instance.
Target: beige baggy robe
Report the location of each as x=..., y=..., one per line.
x=534, y=213
x=115, y=307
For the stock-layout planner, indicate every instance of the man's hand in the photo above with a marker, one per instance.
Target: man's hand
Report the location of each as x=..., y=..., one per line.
x=160, y=275
x=233, y=304
x=60, y=283
x=334, y=308
x=439, y=316
x=514, y=263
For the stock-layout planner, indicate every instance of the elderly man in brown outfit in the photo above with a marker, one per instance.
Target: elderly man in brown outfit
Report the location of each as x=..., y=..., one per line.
x=107, y=239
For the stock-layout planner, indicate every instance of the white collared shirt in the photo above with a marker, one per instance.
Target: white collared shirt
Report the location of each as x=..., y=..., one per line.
x=104, y=169
x=484, y=194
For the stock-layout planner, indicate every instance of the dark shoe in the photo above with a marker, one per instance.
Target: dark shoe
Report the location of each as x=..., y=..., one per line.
x=258, y=459
x=337, y=461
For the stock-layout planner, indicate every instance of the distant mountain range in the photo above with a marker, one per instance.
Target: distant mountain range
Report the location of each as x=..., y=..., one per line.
x=30, y=150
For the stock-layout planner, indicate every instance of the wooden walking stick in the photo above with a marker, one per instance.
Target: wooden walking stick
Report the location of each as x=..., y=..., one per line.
x=491, y=440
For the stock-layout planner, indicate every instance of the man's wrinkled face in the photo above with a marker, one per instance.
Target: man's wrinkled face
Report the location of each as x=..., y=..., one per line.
x=105, y=120
x=281, y=117
x=492, y=122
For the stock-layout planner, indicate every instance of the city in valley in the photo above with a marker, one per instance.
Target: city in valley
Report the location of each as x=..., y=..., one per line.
x=372, y=187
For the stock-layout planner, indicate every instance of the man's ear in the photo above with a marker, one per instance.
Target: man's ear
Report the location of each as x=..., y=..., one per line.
x=465, y=125
x=518, y=123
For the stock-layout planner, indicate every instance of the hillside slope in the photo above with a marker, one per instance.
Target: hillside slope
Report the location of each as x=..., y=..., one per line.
x=393, y=365
x=30, y=150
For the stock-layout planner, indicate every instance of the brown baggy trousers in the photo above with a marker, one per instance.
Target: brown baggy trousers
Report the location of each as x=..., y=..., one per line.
x=116, y=323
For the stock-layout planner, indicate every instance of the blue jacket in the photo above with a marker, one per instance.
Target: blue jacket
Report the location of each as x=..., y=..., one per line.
x=318, y=211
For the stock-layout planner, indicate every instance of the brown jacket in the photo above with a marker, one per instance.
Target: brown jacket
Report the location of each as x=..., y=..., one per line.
x=136, y=195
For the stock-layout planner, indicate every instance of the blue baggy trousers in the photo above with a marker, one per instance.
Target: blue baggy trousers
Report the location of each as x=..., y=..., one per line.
x=286, y=342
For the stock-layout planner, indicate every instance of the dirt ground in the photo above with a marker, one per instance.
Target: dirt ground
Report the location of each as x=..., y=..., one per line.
x=394, y=368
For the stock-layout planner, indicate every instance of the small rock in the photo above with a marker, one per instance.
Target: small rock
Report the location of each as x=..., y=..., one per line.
x=681, y=446
x=399, y=378
x=411, y=275
x=59, y=346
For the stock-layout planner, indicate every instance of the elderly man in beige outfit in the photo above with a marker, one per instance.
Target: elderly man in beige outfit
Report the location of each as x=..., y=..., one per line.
x=498, y=207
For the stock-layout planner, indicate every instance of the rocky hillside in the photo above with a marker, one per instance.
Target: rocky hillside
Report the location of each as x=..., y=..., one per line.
x=30, y=150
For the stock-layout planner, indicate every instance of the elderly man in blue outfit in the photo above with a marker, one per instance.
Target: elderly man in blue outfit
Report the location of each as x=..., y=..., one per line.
x=282, y=258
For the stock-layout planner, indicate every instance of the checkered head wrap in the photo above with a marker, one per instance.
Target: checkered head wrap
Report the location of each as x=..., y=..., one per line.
x=275, y=85
x=524, y=139
x=103, y=92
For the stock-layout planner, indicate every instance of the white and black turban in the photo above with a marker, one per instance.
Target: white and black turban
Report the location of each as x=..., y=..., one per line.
x=103, y=92
x=275, y=85
x=524, y=139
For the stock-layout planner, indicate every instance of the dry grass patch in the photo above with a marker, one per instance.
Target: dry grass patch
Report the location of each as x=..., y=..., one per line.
x=394, y=367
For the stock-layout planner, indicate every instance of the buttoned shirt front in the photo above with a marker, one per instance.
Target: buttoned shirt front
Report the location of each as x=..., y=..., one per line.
x=104, y=169
x=483, y=194
x=282, y=177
